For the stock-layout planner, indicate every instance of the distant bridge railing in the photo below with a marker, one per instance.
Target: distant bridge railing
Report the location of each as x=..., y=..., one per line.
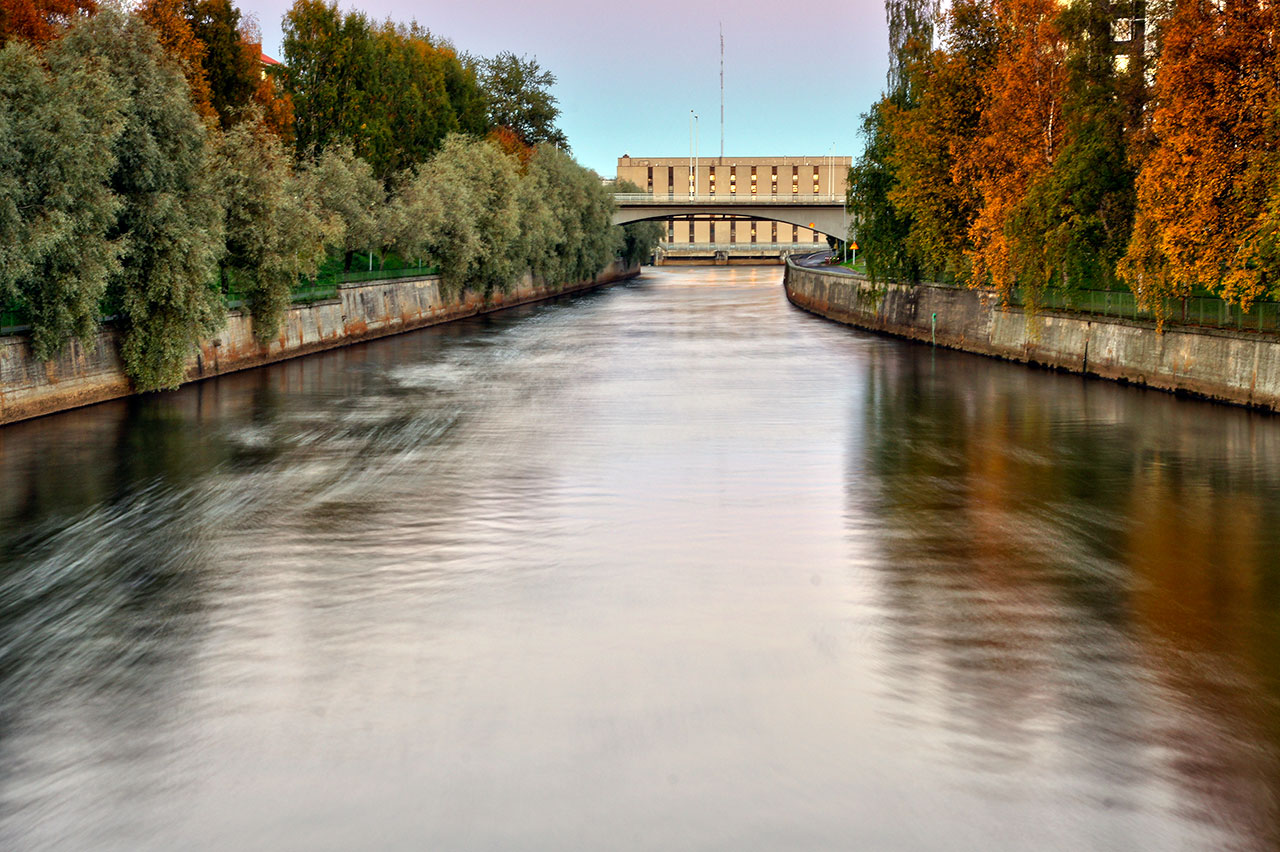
x=805, y=247
x=629, y=198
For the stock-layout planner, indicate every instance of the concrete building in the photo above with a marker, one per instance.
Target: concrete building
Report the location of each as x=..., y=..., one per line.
x=727, y=236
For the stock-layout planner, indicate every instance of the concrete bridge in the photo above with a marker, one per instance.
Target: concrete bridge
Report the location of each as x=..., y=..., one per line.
x=822, y=213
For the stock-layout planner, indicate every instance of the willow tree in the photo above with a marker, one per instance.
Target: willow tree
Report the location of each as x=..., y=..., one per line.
x=169, y=221
x=582, y=208
x=274, y=229
x=172, y=26
x=461, y=209
x=881, y=227
x=351, y=198
x=58, y=130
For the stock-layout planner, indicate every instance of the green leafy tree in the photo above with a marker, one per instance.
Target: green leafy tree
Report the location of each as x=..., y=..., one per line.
x=1205, y=184
x=881, y=228
x=169, y=20
x=584, y=238
x=1075, y=221
x=462, y=210
x=351, y=198
x=230, y=66
x=170, y=220
x=519, y=98
x=932, y=135
x=275, y=232
x=394, y=93
x=639, y=239
x=58, y=129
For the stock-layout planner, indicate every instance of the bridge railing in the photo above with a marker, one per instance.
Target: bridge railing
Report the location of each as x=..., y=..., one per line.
x=798, y=248
x=627, y=198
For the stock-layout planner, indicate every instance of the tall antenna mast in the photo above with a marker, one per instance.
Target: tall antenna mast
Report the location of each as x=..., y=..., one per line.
x=721, y=90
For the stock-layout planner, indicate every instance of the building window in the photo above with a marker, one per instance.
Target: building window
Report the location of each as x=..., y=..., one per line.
x=815, y=236
x=650, y=189
x=773, y=231
x=671, y=231
x=713, y=232
x=815, y=180
x=733, y=231
x=753, y=180
x=775, y=181
x=712, y=173
x=753, y=232
x=795, y=180
x=671, y=181
x=690, y=230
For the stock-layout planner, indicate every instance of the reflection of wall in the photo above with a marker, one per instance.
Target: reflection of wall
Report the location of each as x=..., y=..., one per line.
x=1236, y=367
x=84, y=375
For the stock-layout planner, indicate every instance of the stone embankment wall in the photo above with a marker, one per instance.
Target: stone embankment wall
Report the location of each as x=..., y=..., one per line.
x=82, y=375
x=1230, y=366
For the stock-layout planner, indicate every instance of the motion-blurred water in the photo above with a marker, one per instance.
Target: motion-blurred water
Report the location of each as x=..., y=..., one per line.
x=669, y=566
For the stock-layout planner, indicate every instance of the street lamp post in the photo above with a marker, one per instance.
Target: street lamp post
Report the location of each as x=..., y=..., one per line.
x=693, y=153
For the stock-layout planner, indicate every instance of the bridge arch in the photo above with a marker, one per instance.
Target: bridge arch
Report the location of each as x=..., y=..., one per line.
x=824, y=214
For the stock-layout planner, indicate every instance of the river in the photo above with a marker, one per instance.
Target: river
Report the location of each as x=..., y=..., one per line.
x=672, y=565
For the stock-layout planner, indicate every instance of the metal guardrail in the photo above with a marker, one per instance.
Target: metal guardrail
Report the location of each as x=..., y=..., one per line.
x=1191, y=312
x=644, y=198
x=1203, y=311
x=14, y=318
x=383, y=274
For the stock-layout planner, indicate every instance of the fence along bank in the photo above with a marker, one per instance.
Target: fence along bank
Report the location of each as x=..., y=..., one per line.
x=1235, y=365
x=361, y=310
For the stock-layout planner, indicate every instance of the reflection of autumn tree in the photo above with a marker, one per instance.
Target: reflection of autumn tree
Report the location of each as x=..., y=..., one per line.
x=1085, y=566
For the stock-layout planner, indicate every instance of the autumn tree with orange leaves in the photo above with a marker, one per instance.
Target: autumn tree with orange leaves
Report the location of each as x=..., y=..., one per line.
x=933, y=136
x=1020, y=131
x=1203, y=213
x=168, y=18
x=39, y=21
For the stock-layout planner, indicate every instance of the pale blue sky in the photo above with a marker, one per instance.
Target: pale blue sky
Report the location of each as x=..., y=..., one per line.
x=796, y=77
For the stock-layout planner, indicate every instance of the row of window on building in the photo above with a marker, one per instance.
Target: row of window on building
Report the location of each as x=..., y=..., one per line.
x=733, y=228
x=733, y=180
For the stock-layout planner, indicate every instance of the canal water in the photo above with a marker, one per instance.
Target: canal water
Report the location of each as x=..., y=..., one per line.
x=673, y=565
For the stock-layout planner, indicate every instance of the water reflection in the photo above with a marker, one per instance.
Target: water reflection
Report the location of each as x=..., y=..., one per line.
x=670, y=565
x=1083, y=569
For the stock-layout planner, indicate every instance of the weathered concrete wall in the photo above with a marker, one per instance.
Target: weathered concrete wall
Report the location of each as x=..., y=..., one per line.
x=1231, y=366
x=82, y=375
